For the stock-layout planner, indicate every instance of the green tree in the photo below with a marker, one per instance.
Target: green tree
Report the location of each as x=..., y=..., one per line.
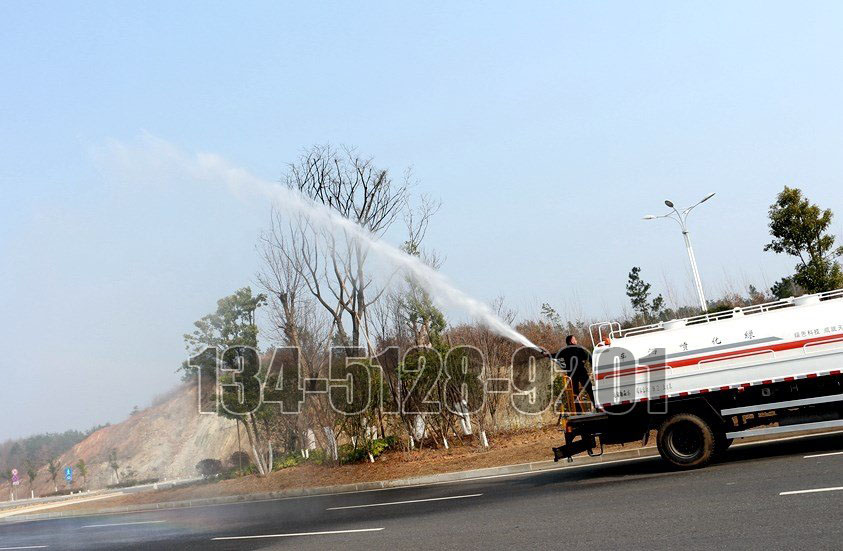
x=53, y=468
x=638, y=292
x=800, y=228
x=552, y=316
x=786, y=287
x=233, y=324
x=7, y=475
x=113, y=464
x=82, y=469
x=423, y=318
x=32, y=474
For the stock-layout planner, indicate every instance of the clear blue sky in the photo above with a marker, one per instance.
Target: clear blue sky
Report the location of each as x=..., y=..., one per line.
x=546, y=129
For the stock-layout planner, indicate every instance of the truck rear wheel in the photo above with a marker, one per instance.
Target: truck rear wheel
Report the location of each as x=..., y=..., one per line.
x=686, y=441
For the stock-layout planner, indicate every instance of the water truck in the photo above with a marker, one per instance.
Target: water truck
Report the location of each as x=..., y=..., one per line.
x=703, y=381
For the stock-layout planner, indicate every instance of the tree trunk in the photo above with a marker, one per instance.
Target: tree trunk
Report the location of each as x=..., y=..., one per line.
x=258, y=445
x=252, y=442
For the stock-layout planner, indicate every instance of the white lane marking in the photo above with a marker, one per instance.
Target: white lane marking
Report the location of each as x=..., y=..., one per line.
x=123, y=524
x=814, y=491
x=797, y=437
x=23, y=547
x=401, y=502
x=822, y=455
x=327, y=532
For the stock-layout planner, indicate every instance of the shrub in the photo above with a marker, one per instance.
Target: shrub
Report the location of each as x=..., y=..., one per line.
x=64, y=492
x=228, y=474
x=380, y=445
x=129, y=482
x=209, y=468
x=238, y=458
x=285, y=461
x=350, y=454
x=317, y=456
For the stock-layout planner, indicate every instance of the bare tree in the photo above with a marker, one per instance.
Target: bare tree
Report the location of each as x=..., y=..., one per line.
x=282, y=277
x=308, y=269
x=497, y=353
x=296, y=318
x=415, y=305
x=333, y=266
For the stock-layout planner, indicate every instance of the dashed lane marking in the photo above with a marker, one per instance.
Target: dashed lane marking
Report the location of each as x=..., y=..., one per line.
x=401, y=502
x=296, y=534
x=123, y=524
x=814, y=491
x=822, y=455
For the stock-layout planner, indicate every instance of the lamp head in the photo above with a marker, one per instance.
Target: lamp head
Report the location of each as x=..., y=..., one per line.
x=707, y=197
x=649, y=217
x=669, y=203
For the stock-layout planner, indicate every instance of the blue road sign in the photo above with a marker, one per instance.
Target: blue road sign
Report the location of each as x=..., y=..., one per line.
x=68, y=474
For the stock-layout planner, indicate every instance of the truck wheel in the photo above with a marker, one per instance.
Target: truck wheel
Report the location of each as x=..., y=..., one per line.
x=686, y=441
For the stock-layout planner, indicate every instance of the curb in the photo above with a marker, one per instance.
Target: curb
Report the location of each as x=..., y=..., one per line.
x=521, y=468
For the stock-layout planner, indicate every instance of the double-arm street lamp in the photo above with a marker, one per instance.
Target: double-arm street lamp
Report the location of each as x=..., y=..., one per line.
x=682, y=218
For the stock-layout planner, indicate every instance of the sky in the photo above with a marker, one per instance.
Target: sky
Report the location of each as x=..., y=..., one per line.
x=547, y=130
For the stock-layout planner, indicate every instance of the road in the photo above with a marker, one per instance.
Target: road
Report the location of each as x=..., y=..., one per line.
x=786, y=494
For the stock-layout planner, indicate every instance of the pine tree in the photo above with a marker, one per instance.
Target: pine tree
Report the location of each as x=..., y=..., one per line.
x=638, y=292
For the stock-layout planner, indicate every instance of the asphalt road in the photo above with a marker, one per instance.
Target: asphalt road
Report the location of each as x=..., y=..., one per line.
x=743, y=502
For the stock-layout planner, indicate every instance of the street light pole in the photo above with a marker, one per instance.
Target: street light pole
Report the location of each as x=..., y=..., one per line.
x=695, y=270
x=682, y=218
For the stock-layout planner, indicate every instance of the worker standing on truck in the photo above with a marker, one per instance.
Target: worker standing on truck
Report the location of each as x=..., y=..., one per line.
x=574, y=358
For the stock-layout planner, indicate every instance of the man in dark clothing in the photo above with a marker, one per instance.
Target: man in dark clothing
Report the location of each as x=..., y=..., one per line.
x=574, y=358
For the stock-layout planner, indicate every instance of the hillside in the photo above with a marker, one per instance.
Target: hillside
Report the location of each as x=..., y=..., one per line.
x=38, y=448
x=163, y=441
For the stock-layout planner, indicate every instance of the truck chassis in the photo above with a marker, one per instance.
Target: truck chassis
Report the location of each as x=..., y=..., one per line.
x=693, y=431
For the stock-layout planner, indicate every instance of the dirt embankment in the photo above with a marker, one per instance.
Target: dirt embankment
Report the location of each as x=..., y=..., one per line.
x=164, y=441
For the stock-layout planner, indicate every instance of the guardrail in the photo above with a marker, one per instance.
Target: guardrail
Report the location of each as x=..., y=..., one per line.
x=613, y=329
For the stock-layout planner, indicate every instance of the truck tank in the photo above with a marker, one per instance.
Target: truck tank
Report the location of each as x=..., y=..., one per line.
x=783, y=340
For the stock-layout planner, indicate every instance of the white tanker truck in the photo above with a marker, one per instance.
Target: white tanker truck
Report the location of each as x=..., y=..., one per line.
x=701, y=382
